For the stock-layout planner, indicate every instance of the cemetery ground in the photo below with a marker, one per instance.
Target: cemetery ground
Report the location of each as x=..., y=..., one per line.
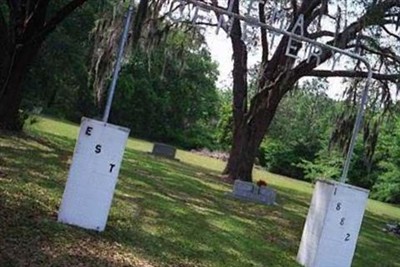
x=164, y=212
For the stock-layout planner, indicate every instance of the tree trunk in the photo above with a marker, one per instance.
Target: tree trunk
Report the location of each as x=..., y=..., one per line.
x=242, y=154
x=249, y=135
x=21, y=36
x=140, y=17
x=15, y=71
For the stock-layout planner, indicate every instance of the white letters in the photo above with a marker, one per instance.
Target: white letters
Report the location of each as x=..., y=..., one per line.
x=221, y=20
x=397, y=20
x=276, y=18
x=250, y=8
x=315, y=52
x=180, y=6
x=335, y=59
x=278, y=15
x=201, y=18
x=291, y=48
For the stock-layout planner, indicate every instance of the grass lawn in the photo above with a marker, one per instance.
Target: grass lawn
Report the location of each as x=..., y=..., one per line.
x=164, y=213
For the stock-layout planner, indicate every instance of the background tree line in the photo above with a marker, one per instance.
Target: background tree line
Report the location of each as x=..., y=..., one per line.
x=167, y=93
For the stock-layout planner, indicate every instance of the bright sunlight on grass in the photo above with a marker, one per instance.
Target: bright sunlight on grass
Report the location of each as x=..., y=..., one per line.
x=164, y=213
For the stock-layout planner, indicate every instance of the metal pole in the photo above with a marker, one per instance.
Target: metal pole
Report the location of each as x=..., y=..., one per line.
x=117, y=67
x=364, y=98
x=357, y=125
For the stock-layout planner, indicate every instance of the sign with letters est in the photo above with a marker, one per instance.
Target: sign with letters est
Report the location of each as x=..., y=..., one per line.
x=93, y=174
x=333, y=223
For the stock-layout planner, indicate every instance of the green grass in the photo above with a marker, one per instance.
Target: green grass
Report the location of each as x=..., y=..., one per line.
x=164, y=213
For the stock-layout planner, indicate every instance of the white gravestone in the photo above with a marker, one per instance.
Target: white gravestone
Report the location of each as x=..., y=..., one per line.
x=333, y=223
x=93, y=174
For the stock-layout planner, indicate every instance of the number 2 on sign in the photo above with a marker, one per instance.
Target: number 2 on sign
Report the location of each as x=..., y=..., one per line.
x=347, y=237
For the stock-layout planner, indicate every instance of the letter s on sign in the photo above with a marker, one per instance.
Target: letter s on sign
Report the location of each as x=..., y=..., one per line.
x=98, y=149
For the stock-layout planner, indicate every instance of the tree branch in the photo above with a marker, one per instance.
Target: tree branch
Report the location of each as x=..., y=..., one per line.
x=203, y=23
x=373, y=16
x=52, y=23
x=390, y=33
x=383, y=52
x=218, y=15
x=293, y=3
x=140, y=17
x=11, y=4
x=354, y=74
x=316, y=35
x=264, y=41
x=3, y=25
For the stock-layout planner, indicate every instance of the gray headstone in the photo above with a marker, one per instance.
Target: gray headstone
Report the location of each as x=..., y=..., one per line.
x=267, y=195
x=252, y=192
x=164, y=150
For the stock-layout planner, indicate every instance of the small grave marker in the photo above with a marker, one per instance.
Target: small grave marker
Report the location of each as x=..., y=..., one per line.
x=249, y=191
x=164, y=150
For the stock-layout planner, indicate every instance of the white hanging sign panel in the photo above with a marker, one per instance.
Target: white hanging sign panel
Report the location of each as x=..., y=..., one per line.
x=93, y=174
x=333, y=223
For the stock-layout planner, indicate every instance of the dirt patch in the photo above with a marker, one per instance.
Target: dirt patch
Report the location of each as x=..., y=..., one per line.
x=224, y=156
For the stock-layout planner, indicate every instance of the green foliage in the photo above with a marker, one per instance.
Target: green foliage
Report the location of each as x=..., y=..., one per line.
x=300, y=126
x=224, y=130
x=299, y=143
x=329, y=161
x=387, y=187
x=166, y=93
x=57, y=81
x=327, y=165
x=169, y=93
x=281, y=157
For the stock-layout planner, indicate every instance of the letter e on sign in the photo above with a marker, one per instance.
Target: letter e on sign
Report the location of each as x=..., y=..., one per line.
x=89, y=131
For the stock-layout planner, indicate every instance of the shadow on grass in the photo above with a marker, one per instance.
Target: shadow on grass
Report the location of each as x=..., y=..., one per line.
x=168, y=212
x=38, y=161
x=375, y=247
x=182, y=212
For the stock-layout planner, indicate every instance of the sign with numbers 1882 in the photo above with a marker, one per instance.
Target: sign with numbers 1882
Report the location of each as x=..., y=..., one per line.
x=93, y=174
x=333, y=224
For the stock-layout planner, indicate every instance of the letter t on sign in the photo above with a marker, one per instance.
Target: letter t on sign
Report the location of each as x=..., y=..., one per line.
x=112, y=167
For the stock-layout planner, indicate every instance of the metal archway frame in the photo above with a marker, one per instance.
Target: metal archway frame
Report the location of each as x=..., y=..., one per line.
x=361, y=109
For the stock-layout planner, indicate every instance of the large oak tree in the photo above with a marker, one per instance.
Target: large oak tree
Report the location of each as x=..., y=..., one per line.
x=368, y=30
x=24, y=25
